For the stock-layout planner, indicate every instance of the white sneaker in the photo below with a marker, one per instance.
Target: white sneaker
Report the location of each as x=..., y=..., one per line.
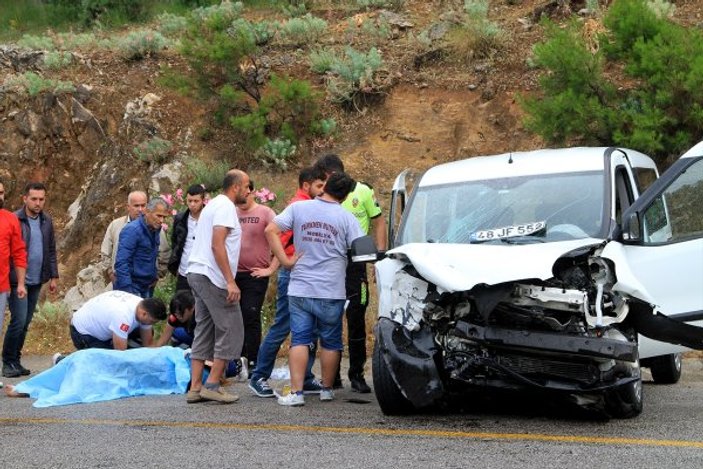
x=57, y=358
x=292, y=399
x=243, y=370
x=326, y=394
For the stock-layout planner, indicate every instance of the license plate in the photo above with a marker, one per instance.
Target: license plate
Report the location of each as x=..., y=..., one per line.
x=508, y=231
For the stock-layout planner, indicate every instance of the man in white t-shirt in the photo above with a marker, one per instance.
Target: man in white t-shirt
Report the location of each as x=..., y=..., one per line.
x=183, y=234
x=106, y=320
x=219, y=330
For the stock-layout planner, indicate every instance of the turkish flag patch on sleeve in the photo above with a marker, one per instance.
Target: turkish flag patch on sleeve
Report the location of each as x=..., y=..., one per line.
x=124, y=327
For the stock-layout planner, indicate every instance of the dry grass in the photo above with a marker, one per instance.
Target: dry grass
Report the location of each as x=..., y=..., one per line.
x=48, y=333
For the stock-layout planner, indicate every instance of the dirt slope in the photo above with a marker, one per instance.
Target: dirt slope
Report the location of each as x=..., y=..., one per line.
x=437, y=111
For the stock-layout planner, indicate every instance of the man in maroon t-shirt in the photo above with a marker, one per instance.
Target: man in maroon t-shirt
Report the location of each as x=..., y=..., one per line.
x=254, y=269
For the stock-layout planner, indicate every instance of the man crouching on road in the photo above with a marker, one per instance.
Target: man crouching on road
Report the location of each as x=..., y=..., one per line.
x=219, y=330
x=106, y=320
x=322, y=232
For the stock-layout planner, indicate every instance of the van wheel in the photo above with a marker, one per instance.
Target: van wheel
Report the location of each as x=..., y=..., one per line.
x=666, y=369
x=389, y=396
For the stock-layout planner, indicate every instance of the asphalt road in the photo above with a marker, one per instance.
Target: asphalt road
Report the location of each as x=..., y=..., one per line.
x=351, y=432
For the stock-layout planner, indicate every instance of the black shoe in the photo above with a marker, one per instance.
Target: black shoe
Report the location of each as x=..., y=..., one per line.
x=11, y=371
x=337, y=383
x=358, y=384
x=23, y=371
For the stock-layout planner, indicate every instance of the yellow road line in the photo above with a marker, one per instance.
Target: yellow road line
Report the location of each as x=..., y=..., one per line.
x=366, y=431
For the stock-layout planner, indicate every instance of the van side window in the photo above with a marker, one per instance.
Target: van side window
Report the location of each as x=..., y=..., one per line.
x=680, y=204
x=644, y=177
x=623, y=192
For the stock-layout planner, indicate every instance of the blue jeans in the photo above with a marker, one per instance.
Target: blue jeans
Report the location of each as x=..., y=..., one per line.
x=305, y=313
x=277, y=334
x=3, y=304
x=21, y=313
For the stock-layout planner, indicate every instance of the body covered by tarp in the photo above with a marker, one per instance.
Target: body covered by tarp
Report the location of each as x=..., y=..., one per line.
x=94, y=375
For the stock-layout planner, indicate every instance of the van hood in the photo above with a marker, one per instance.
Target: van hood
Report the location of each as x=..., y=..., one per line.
x=460, y=267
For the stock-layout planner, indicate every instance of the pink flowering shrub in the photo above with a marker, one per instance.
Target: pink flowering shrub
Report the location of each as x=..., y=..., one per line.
x=177, y=203
x=265, y=196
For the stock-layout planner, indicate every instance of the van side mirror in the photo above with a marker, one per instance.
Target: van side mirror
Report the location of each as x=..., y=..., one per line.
x=632, y=228
x=363, y=249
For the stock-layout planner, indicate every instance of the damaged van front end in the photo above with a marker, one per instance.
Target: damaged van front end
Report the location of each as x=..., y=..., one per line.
x=553, y=324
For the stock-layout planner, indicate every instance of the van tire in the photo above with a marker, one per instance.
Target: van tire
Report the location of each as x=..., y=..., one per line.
x=389, y=396
x=666, y=369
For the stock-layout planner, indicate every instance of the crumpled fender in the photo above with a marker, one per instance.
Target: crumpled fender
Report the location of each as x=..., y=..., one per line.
x=409, y=357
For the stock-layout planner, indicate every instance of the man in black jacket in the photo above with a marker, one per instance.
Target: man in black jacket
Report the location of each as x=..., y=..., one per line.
x=38, y=234
x=183, y=234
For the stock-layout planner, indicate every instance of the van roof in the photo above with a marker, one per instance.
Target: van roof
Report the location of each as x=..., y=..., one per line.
x=545, y=161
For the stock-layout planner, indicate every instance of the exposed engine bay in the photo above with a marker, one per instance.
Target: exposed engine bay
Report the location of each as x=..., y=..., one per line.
x=566, y=333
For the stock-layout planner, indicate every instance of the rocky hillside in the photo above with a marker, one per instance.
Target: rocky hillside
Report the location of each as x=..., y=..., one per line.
x=441, y=102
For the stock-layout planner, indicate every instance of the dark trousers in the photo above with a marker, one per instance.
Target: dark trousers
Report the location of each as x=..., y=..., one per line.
x=253, y=293
x=21, y=313
x=84, y=341
x=357, y=287
x=182, y=283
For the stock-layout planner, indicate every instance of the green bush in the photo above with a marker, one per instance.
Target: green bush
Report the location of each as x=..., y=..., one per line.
x=138, y=45
x=304, y=30
x=224, y=12
x=296, y=8
x=208, y=173
x=260, y=33
x=264, y=31
x=171, y=25
x=629, y=21
x=322, y=60
x=54, y=60
x=289, y=108
x=325, y=127
x=215, y=49
x=575, y=85
x=154, y=151
x=30, y=41
x=71, y=41
x=222, y=50
x=49, y=313
x=252, y=127
x=354, y=74
x=477, y=36
x=660, y=112
x=276, y=153
x=34, y=84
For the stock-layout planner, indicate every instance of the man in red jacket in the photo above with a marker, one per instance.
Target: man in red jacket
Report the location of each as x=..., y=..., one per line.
x=11, y=248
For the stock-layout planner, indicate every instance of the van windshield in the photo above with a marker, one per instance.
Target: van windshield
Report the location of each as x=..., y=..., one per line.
x=537, y=208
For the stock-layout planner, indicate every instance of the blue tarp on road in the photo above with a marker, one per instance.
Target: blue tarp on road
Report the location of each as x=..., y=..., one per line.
x=94, y=375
